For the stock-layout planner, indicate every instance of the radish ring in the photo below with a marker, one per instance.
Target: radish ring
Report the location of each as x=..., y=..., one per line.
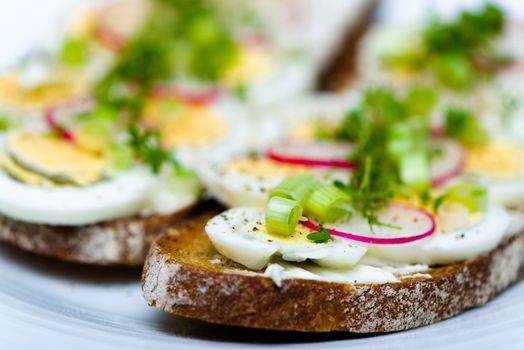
x=382, y=240
x=191, y=97
x=288, y=154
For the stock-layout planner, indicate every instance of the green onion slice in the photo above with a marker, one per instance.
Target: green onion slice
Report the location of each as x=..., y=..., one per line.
x=328, y=204
x=297, y=187
x=282, y=216
x=472, y=196
x=414, y=170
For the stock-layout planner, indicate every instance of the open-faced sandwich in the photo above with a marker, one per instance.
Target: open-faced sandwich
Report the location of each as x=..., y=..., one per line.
x=90, y=190
x=474, y=59
x=404, y=240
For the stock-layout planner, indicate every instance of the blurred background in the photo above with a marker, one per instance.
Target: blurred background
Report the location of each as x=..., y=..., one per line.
x=25, y=24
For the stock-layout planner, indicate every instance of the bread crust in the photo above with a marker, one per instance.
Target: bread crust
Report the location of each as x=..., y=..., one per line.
x=117, y=242
x=182, y=277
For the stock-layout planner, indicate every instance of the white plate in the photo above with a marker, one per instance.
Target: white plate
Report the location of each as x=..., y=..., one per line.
x=46, y=303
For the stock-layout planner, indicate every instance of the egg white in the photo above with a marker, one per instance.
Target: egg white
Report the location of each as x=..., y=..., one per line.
x=124, y=195
x=235, y=189
x=240, y=235
x=454, y=246
x=236, y=139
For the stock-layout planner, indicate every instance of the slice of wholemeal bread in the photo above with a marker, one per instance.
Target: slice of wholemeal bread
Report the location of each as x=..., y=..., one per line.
x=185, y=276
x=117, y=242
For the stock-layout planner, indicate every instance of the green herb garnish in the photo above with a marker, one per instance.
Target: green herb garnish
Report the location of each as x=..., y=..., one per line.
x=390, y=137
x=147, y=148
x=321, y=236
x=462, y=125
x=455, y=52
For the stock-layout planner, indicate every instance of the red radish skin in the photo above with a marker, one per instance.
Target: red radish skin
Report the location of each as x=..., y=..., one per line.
x=198, y=98
x=454, y=171
x=110, y=39
x=444, y=178
x=381, y=240
x=50, y=116
x=342, y=164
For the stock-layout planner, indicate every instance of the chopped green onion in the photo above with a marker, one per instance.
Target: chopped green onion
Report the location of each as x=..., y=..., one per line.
x=105, y=112
x=454, y=71
x=462, y=125
x=420, y=100
x=414, y=170
x=282, y=216
x=472, y=196
x=118, y=157
x=4, y=123
x=184, y=182
x=328, y=203
x=406, y=136
x=94, y=134
x=297, y=187
x=74, y=51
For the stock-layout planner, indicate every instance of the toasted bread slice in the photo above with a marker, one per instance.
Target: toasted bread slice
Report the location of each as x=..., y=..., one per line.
x=117, y=242
x=185, y=276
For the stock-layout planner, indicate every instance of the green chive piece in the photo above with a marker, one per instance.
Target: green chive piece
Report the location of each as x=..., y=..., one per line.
x=406, y=136
x=4, y=123
x=414, y=170
x=282, y=216
x=118, y=157
x=297, y=187
x=472, y=196
x=94, y=134
x=328, y=203
x=462, y=125
x=74, y=51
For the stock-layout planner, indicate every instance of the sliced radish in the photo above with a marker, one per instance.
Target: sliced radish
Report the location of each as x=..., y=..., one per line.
x=110, y=39
x=314, y=154
x=52, y=124
x=51, y=115
x=447, y=165
x=413, y=224
x=254, y=39
x=194, y=97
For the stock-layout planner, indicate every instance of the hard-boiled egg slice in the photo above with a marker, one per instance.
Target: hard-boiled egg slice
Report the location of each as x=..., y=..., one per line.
x=247, y=180
x=124, y=195
x=240, y=235
x=460, y=244
x=184, y=125
x=30, y=90
x=199, y=133
x=55, y=158
x=252, y=64
x=499, y=165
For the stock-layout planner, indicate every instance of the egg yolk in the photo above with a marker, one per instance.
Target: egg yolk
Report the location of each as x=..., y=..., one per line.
x=251, y=65
x=495, y=159
x=265, y=167
x=21, y=174
x=55, y=157
x=310, y=130
x=184, y=125
x=61, y=88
